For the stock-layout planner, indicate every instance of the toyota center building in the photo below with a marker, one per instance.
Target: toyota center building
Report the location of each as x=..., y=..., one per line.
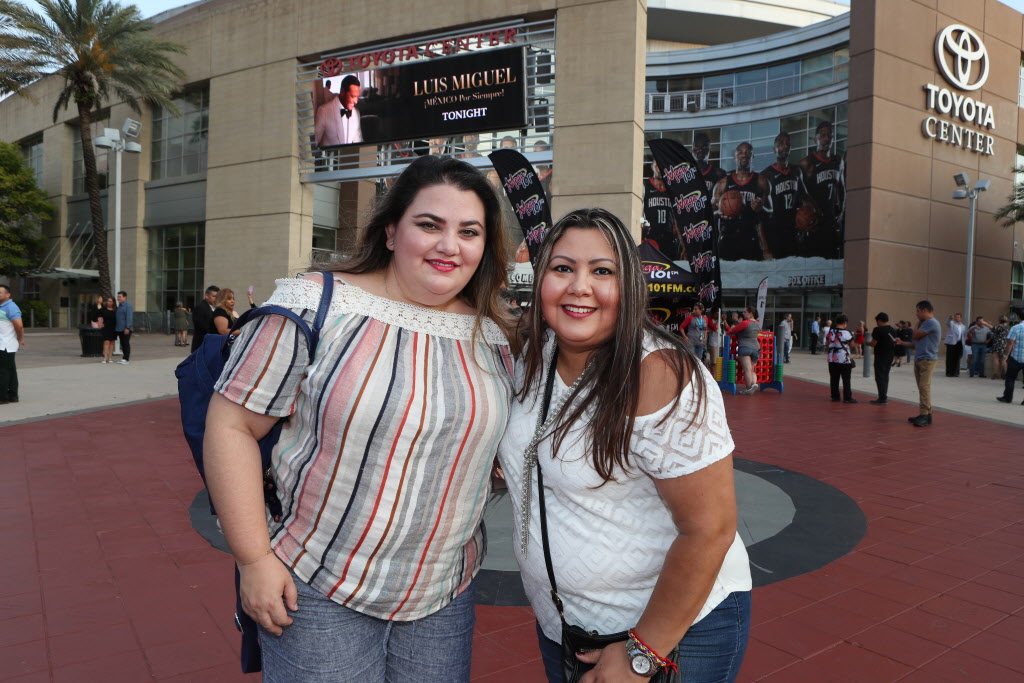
x=832, y=139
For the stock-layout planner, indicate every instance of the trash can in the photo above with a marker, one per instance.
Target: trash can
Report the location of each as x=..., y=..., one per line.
x=92, y=341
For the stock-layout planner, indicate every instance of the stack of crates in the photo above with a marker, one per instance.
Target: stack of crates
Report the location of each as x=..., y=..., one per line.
x=765, y=368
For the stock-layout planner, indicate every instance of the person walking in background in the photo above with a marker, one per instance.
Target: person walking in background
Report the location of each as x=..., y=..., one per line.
x=925, y=341
x=109, y=318
x=696, y=327
x=905, y=333
x=12, y=338
x=714, y=341
x=123, y=326
x=857, y=345
x=954, y=342
x=202, y=316
x=748, y=348
x=883, y=341
x=824, y=333
x=815, y=331
x=999, y=333
x=180, y=325
x=979, y=334
x=786, y=336
x=840, y=367
x=1014, y=360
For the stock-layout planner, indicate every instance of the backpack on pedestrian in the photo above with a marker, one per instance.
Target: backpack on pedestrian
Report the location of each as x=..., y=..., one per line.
x=197, y=375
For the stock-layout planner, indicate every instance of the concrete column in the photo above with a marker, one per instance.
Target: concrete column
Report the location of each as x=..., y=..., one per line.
x=599, y=119
x=255, y=204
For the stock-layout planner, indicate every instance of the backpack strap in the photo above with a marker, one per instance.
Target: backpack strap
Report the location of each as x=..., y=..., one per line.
x=312, y=334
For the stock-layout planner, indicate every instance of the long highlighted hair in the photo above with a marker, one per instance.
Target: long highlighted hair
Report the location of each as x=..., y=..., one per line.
x=607, y=397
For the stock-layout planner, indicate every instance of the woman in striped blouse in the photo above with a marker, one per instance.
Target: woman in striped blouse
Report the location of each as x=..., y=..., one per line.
x=384, y=466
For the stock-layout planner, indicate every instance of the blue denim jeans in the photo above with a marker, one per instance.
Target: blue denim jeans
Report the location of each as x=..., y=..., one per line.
x=710, y=652
x=328, y=642
x=978, y=352
x=698, y=350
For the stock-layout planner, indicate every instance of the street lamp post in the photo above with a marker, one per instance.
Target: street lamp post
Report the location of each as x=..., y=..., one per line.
x=114, y=139
x=963, y=182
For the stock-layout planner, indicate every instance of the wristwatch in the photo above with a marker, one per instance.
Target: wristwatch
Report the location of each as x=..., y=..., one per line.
x=640, y=662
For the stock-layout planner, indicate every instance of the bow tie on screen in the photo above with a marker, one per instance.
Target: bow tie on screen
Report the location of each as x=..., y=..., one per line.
x=347, y=113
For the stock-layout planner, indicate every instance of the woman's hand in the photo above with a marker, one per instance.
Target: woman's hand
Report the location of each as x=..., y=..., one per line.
x=612, y=666
x=265, y=588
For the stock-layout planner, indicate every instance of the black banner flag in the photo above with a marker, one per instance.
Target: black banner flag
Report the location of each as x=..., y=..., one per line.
x=694, y=215
x=660, y=230
x=525, y=192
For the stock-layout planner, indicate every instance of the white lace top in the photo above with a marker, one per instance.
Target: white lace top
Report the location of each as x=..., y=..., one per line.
x=608, y=543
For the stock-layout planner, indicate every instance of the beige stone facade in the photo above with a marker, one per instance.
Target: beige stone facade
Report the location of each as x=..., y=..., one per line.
x=258, y=213
x=906, y=236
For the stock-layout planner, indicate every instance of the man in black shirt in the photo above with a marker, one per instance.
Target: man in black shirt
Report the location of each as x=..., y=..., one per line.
x=202, y=316
x=883, y=339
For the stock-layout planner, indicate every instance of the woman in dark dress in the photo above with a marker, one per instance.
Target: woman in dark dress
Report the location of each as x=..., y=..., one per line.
x=94, y=314
x=224, y=312
x=108, y=314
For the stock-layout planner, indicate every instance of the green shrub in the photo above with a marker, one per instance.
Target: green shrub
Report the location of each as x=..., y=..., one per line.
x=42, y=313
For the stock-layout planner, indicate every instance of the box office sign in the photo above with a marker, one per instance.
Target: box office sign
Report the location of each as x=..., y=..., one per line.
x=964, y=62
x=480, y=91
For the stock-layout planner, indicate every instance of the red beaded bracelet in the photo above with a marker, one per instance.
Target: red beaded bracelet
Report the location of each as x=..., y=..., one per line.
x=642, y=646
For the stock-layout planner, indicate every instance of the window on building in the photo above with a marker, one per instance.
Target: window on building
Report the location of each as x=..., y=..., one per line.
x=32, y=150
x=1020, y=85
x=179, y=142
x=749, y=86
x=100, y=121
x=1017, y=282
x=325, y=240
x=761, y=135
x=30, y=288
x=176, y=256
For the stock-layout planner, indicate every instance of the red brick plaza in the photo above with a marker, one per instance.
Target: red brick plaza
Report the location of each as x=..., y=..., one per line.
x=104, y=579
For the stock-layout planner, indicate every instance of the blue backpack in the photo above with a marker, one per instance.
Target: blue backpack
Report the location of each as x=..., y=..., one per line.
x=197, y=376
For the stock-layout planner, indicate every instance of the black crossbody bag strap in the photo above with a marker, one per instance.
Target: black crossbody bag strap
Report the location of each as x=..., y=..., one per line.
x=548, y=389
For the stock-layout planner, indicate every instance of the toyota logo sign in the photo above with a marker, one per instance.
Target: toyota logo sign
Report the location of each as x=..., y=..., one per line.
x=957, y=50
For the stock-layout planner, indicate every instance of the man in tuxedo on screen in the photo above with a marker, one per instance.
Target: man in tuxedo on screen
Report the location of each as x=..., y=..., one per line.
x=337, y=120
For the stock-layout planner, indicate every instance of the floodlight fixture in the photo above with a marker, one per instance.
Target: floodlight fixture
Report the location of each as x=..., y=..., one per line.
x=961, y=179
x=131, y=128
x=104, y=142
x=959, y=194
x=982, y=185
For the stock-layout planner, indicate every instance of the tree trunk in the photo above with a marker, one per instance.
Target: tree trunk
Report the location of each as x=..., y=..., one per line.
x=92, y=186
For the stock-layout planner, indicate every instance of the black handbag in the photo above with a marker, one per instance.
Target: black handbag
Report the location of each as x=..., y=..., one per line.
x=576, y=639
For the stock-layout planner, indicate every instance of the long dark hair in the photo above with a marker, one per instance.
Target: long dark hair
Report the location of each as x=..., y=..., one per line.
x=482, y=292
x=610, y=389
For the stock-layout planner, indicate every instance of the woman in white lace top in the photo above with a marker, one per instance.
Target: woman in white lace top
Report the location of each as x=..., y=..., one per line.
x=383, y=468
x=637, y=470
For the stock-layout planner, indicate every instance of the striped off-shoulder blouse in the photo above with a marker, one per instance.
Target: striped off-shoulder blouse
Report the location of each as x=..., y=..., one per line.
x=383, y=468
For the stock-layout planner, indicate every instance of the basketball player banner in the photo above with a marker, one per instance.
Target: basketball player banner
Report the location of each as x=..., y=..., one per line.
x=694, y=217
x=525, y=192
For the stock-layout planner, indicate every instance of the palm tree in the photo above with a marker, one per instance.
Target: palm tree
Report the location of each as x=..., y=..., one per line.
x=100, y=49
x=16, y=71
x=1013, y=212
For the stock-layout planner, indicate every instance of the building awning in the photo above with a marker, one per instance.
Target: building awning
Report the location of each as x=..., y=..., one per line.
x=62, y=273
